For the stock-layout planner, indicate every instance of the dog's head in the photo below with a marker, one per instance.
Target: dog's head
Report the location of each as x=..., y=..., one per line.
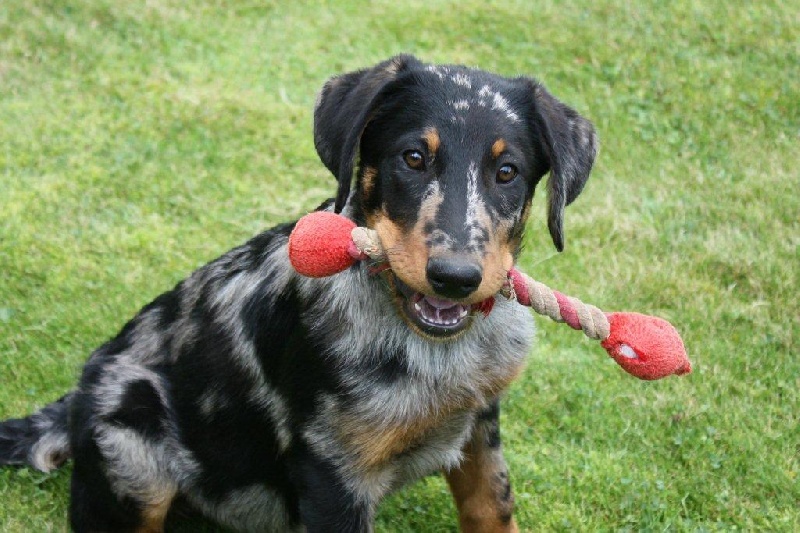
x=448, y=160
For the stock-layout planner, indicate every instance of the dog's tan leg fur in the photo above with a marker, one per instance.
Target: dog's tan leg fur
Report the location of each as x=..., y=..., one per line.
x=154, y=515
x=480, y=486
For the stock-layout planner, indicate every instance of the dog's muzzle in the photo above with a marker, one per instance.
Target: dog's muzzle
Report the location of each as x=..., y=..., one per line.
x=430, y=315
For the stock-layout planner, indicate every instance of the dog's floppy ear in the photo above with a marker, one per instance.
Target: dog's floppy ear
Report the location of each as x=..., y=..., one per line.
x=570, y=144
x=343, y=109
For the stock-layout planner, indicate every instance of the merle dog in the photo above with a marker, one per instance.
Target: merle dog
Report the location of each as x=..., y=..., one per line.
x=272, y=402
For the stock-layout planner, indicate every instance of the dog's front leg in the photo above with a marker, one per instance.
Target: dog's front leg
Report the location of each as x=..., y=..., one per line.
x=480, y=485
x=325, y=501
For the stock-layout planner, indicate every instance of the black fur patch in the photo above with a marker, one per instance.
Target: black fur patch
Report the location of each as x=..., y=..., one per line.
x=490, y=421
x=326, y=503
x=141, y=409
x=94, y=506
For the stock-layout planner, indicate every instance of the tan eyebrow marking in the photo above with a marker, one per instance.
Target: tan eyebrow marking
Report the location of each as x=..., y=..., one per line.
x=498, y=148
x=431, y=136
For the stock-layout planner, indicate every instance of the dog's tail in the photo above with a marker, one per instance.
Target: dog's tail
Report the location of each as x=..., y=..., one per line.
x=40, y=440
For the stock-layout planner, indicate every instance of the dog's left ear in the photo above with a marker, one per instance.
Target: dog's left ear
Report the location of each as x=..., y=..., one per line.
x=344, y=107
x=570, y=144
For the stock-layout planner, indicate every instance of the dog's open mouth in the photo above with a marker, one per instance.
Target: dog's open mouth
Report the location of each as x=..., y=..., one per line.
x=433, y=316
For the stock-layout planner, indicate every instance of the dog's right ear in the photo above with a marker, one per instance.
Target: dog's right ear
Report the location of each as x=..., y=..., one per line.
x=343, y=109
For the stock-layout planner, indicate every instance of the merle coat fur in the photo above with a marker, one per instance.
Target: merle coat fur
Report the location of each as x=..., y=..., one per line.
x=272, y=402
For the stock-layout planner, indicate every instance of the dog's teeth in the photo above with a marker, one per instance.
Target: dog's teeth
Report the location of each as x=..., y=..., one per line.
x=447, y=316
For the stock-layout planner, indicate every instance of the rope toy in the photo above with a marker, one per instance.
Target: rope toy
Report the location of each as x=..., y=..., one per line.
x=648, y=347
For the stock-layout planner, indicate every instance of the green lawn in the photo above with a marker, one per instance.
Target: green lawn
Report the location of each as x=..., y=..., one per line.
x=138, y=140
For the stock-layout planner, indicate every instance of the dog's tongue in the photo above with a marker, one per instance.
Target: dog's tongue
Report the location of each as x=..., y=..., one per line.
x=440, y=312
x=439, y=303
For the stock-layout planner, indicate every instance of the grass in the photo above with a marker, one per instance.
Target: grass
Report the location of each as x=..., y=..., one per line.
x=140, y=140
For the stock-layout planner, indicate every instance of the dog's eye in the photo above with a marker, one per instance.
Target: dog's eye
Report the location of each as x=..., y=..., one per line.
x=414, y=159
x=506, y=173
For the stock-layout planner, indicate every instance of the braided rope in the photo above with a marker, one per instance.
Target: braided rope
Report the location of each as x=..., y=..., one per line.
x=366, y=240
x=545, y=301
x=541, y=298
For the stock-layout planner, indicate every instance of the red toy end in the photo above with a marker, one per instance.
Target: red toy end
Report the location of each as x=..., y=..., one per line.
x=645, y=346
x=320, y=244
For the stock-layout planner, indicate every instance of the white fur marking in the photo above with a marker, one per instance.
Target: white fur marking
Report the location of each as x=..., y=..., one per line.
x=501, y=104
x=441, y=72
x=49, y=452
x=462, y=80
x=476, y=208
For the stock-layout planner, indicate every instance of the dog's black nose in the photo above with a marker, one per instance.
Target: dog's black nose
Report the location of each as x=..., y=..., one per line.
x=452, y=277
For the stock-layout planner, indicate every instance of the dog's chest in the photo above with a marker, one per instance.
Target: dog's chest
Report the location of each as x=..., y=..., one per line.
x=401, y=420
x=401, y=434
x=404, y=405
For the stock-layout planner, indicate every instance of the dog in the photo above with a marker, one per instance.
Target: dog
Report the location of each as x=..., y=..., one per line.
x=268, y=401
